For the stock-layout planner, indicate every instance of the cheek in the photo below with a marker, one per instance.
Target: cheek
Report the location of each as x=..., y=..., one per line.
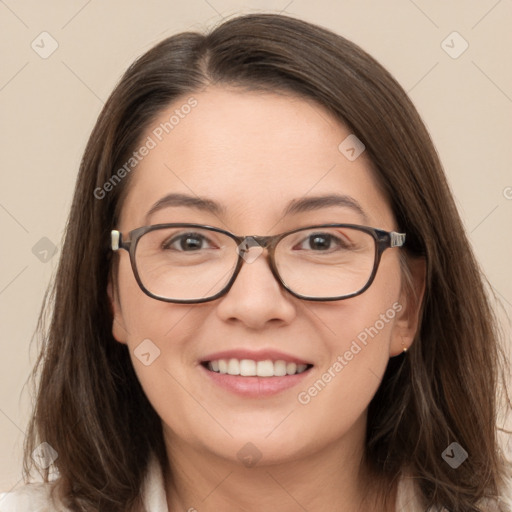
x=340, y=391
x=358, y=347
x=367, y=317
x=156, y=334
x=158, y=339
x=144, y=317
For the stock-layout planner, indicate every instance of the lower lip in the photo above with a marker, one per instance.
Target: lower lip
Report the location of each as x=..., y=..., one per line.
x=255, y=387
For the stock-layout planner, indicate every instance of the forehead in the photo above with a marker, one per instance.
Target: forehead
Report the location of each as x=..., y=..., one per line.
x=252, y=153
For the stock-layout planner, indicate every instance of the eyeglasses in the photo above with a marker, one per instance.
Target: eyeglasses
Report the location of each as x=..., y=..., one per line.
x=194, y=263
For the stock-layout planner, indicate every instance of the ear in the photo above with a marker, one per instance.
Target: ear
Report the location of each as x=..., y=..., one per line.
x=411, y=299
x=119, y=330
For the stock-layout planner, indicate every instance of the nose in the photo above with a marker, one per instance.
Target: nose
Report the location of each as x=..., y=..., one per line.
x=256, y=298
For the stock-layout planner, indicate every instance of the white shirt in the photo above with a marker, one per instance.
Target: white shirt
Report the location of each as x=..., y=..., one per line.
x=35, y=497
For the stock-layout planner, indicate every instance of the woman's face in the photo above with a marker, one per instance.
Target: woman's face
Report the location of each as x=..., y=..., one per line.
x=253, y=154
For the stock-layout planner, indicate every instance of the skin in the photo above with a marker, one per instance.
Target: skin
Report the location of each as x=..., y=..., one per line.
x=253, y=153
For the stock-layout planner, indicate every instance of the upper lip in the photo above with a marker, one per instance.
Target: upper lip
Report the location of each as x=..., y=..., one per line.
x=259, y=355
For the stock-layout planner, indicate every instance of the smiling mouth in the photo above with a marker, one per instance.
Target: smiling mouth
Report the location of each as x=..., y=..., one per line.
x=252, y=368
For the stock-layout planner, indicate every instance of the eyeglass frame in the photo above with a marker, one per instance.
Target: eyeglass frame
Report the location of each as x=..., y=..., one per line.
x=383, y=240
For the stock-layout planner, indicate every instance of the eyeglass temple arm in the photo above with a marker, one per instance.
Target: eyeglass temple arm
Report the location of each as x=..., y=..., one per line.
x=396, y=239
x=116, y=240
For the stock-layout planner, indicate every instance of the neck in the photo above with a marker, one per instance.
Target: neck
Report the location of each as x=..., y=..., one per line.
x=331, y=477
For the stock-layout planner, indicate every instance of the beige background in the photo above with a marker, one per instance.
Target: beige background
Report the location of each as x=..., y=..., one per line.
x=48, y=107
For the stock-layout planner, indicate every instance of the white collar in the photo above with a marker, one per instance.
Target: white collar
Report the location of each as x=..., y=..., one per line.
x=153, y=488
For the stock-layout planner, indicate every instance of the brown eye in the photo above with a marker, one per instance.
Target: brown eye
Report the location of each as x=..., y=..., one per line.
x=188, y=242
x=319, y=242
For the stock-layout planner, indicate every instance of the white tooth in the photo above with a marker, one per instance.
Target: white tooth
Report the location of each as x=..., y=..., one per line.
x=250, y=368
x=247, y=367
x=291, y=368
x=280, y=368
x=301, y=367
x=223, y=366
x=265, y=368
x=233, y=367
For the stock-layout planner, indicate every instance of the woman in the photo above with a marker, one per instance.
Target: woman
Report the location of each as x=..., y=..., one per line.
x=266, y=299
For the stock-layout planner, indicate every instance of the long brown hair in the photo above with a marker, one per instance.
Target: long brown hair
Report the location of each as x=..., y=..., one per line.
x=90, y=406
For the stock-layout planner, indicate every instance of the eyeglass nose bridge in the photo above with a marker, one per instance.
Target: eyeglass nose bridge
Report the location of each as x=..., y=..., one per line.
x=265, y=242
x=245, y=243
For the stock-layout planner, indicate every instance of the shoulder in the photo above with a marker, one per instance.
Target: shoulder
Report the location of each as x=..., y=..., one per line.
x=37, y=497
x=409, y=498
x=33, y=497
x=506, y=489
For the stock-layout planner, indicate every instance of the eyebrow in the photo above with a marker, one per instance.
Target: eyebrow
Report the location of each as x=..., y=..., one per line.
x=305, y=204
x=311, y=203
x=195, y=202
